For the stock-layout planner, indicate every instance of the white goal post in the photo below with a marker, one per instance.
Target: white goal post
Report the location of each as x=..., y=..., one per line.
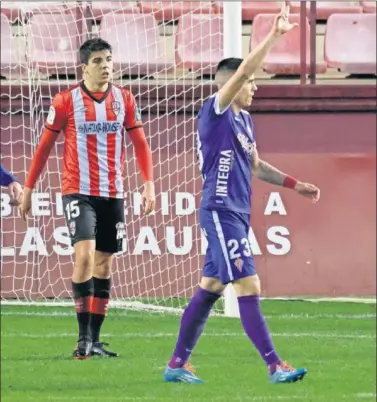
x=232, y=48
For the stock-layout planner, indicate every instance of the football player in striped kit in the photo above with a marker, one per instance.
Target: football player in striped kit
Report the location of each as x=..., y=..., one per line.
x=93, y=116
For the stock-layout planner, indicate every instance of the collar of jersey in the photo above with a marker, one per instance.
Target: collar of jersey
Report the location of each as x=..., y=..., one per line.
x=105, y=94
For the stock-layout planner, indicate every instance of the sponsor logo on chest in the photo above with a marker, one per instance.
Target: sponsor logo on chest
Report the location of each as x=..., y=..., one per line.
x=223, y=172
x=95, y=127
x=246, y=143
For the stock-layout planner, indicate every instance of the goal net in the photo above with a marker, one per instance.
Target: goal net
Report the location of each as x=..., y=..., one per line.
x=165, y=52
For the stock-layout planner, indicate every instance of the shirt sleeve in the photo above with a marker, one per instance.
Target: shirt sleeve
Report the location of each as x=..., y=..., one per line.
x=40, y=157
x=211, y=108
x=132, y=118
x=216, y=105
x=210, y=118
x=57, y=115
x=143, y=152
x=6, y=178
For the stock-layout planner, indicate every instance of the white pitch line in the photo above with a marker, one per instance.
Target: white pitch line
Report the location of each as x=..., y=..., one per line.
x=173, y=334
x=125, y=314
x=153, y=308
x=318, y=316
x=42, y=313
x=366, y=396
x=152, y=398
x=213, y=399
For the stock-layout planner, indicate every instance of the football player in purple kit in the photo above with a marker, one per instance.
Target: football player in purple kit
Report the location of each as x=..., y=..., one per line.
x=228, y=158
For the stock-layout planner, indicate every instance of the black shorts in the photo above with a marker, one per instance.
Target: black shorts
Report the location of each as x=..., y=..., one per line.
x=95, y=218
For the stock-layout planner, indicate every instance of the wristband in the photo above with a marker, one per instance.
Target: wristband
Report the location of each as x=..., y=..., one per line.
x=289, y=182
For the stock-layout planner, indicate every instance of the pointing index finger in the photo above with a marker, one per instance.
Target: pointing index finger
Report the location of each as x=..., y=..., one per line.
x=284, y=8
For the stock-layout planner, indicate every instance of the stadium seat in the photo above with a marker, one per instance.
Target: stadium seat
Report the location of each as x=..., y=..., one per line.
x=285, y=57
x=137, y=48
x=327, y=8
x=24, y=10
x=369, y=6
x=350, y=43
x=99, y=9
x=21, y=10
x=252, y=8
x=42, y=7
x=54, y=43
x=12, y=10
x=171, y=10
x=198, y=43
x=13, y=62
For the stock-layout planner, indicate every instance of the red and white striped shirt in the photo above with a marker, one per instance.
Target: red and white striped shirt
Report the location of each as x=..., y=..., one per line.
x=93, y=126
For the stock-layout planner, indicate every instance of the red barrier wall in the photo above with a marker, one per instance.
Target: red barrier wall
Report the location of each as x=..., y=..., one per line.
x=330, y=249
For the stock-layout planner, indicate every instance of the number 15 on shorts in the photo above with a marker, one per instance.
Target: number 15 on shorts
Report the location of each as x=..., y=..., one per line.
x=72, y=210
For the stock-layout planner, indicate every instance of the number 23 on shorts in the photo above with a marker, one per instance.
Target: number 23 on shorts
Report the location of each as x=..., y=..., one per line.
x=239, y=248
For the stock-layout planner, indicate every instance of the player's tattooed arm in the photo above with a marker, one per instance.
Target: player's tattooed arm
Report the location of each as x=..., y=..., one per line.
x=266, y=172
x=269, y=174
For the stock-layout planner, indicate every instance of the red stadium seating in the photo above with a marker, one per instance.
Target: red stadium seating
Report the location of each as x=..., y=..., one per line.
x=327, y=8
x=284, y=58
x=21, y=10
x=122, y=7
x=137, y=49
x=11, y=10
x=350, y=43
x=170, y=10
x=13, y=61
x=40, y=7
x=54, y=43
x=99, y=9
x=252, y=8
x=198, y=43
x=369, y=6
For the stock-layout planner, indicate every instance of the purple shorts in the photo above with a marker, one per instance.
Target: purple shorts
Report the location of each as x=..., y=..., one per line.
x=229, y=255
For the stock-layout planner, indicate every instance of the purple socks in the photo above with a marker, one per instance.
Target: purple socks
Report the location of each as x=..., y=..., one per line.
x=195, y=317
x=256, y=329
x=193, y=322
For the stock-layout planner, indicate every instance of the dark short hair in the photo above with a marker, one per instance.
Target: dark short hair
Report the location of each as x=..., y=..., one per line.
x=230, y=64
x=93, y=45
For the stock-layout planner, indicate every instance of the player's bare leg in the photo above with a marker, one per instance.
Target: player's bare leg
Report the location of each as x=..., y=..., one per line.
x=101, y=296
x=82, y=287
x=192, y=325
x=248, y=291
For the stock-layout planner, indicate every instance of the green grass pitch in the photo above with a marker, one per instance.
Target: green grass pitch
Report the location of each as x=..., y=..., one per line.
x=335, y=341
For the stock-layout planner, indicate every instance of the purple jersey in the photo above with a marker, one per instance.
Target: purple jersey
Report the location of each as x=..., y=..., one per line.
x=225, y=143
